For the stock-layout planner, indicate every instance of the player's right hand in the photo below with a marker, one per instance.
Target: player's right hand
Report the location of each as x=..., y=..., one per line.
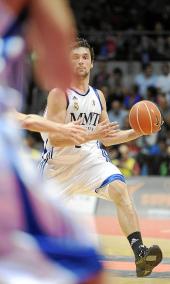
x=74, y=132
x=106, y=129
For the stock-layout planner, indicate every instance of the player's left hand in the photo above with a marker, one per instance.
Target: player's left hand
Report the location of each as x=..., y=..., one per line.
x=106, y=129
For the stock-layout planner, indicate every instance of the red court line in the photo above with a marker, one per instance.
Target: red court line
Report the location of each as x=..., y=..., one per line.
x=160, y=228
x=130, y=266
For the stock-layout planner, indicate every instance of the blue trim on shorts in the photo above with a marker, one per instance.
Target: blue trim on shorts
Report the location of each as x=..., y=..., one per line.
x=41, y=166
x=110, y=179
x=103, y=152
x=43, y=162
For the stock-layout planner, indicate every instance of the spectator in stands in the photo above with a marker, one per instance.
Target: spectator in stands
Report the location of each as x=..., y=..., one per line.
x=146, y=79
x=102, y=77
x=127, y=165
x=167, y=47
x=106, y=92
x=159, y=153
x=144, y=49
x=165, y=166
x=151, y=94
x=163, y=105
x=33, y=151
x=117, y=113
x=117, y=84
x=111, y=47
x=163, y=82
x=126, y=124
x=132, y=97
x=102, y=51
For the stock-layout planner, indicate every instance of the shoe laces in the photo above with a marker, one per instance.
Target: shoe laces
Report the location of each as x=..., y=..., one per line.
x=142, y=251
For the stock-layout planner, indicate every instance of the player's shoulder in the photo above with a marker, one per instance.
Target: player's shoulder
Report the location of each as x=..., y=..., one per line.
x=56, y=95
x=56, y=92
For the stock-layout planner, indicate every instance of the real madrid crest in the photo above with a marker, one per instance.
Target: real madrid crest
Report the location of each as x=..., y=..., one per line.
x=76, y=106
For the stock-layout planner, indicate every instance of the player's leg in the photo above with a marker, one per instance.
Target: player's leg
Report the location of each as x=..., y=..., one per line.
x=146, y=259
x=125, y=209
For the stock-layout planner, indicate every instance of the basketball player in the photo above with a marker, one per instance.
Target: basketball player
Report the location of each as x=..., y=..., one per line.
x=86, y=168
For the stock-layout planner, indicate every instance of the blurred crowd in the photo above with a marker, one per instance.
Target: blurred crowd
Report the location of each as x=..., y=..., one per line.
x=137, y=157
x=141, y=34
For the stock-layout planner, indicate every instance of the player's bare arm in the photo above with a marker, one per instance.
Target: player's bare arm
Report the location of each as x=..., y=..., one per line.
x=104, y=129
x=119, y=137
x=36, y=123
x=56, y=112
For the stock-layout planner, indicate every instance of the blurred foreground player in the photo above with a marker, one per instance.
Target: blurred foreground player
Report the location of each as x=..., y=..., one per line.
x=49, y=28
x=34, y=230
x=24, y=18
x=40, y=243
x=86, y=168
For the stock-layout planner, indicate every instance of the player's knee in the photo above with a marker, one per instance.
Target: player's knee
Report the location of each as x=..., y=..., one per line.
x=119, y=194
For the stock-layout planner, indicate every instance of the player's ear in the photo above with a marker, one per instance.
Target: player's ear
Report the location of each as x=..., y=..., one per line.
x=91, y=65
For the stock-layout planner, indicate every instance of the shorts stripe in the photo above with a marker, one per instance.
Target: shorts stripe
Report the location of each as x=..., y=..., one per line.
x=47, y=155
x=42, y=166
x=110, y=179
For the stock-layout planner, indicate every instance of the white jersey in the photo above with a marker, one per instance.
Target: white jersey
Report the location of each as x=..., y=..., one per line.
x=81, y=167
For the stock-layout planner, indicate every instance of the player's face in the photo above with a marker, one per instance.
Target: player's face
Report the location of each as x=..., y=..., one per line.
x=81, y=61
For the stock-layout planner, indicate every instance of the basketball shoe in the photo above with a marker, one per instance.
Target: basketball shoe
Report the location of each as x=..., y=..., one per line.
x=147, y=260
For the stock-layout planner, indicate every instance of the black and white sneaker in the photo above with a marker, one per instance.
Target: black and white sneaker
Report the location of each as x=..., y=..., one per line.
x=148, y=259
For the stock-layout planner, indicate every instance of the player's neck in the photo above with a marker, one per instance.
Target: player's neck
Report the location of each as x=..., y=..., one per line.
x=81, y=84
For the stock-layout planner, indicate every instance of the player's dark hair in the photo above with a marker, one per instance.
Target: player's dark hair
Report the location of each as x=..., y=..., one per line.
x=81, y=42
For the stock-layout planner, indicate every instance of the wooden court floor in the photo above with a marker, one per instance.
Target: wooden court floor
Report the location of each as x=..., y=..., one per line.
x=118, y=258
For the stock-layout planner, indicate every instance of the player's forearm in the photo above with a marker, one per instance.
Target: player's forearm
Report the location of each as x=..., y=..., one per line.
x=122, y=136
x=39, y=124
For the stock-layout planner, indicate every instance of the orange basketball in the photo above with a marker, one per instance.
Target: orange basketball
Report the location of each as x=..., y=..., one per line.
x=145, y=117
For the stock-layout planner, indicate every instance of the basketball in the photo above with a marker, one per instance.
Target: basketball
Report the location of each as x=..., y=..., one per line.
x=145, y=117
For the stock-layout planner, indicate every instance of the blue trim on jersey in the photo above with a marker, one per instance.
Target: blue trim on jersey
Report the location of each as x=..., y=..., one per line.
x=110, y=179
x=97, y=94
x=80, y=93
